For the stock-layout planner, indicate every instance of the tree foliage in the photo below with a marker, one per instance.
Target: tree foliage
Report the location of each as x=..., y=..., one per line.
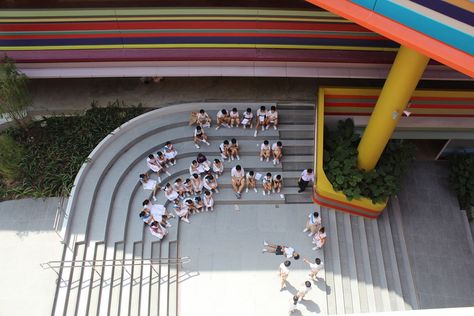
x=11, y=154
x=15, y=97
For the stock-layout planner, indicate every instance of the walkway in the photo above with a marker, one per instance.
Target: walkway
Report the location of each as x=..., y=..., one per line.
x=27, y=240
x=442, y=264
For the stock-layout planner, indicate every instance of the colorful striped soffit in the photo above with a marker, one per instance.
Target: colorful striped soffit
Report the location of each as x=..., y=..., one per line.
x=197, y=34
x=440, y=29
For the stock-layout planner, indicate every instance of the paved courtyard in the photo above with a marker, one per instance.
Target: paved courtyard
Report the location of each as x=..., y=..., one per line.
x=229, y=275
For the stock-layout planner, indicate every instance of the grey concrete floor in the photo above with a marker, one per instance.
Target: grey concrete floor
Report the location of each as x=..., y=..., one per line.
x=441, y=261
x=229, y=275
x=28, y=239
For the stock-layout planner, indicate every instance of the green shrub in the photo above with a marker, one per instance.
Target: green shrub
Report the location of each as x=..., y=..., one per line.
x=461, y=178
x=340, y=165
x=11, y=154
x=56, y=147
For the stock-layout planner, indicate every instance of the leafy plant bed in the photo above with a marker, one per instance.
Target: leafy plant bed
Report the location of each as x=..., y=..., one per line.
x=54, y=149
x=340, y=165
x=461, y=178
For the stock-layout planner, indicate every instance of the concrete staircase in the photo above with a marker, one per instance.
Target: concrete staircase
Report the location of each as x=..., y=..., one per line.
x=111, y=251
x=106, y=242
x=367, y=266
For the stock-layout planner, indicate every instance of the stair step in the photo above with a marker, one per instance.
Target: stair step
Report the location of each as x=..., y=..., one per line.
x=390, y=263
x=351, y=264
x=401, y=253
x=164, y=273
x=333, y=242
x=359, y=262
x=94, y=278
x=115, y=283
x=135, y=282
x=153, y=300
x=173, y=280
x=367, y=263
x=75, y=278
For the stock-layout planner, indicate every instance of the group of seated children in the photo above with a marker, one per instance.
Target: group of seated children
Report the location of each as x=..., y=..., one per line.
x=162, y=160
x=316, y=230
x=276, y=150
x=156, y=217
x=241, y=180
x=264, y=119
x=230, y=150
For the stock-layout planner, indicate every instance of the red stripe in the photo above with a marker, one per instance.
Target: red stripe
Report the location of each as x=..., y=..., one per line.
x=128, y=35
x=346, y=96
x=440, y=98
x=181, y=25
x=440, y=106
x=346, y=104
x=315, y=199
x=413, y=114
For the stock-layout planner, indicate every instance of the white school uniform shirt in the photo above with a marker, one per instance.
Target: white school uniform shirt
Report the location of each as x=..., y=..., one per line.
x=169, y=152
x=196, y=133
x=221, y=147
x=151, y=164
x=208, y=200
x=248, y=176
x=316, y=267
x=305, y=176
x=237, y=174
x=275, y=179
x=149, y=185
x=220, y=114
x=272, y=115
x=202, y=116
x=288, y=251
x=284, y=269
x=274, y=146
x=261, y=115
x=234, y=114
x=292, y=306
x=304, y=289
x=267, y=180
x=264, y=147
x=314, y=220
x=215, y=168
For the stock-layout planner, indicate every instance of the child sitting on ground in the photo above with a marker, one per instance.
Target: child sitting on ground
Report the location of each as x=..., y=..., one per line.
x=261, y=119
x=217, y=168
x=181, y=211
x=157, y=230
x=224, y=148
x=223, y=119
x=277, y=183
x=247, y=118
x=188, y=187
x=197, y=183
x=189, y=204
x=234, y=149
x=155, y=166
x=170, y=153
x=203, y=119
x=162, y=160
x=198, y=204
x=149, y=184
x=200, y=137
x=277, y=150
x=234, y=118
x=210, y=183
x=179, y=187
x=267, y=184
x=250, y=181
x=208, y=201
x=265, y=151
x=272, y=116
x=170, y=193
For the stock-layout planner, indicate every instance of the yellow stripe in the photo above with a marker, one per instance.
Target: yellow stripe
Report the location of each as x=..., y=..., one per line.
x=72, y=47
x=181, y=18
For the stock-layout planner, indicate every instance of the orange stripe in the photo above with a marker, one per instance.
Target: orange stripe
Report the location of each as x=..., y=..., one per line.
x=400, y=33
x=315, y=199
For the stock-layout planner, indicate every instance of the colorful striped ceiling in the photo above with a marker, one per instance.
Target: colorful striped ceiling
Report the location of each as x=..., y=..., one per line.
x=188, y=34
x=360, y=102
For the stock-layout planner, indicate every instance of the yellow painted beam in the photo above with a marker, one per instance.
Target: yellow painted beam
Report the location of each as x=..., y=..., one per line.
x=402, y=80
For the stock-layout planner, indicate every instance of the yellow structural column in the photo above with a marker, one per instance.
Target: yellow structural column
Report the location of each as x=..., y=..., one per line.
x=402, y=80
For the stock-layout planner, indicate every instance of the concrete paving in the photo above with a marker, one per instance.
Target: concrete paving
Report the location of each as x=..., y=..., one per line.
x=229, y=275
x=28, y=239
x=442, y=264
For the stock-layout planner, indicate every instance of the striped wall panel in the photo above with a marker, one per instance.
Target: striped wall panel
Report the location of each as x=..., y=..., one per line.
x=188, y=34
x=360, y=102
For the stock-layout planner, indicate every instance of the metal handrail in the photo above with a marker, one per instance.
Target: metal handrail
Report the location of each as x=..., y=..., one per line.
x=105, y=263
x=54, y=265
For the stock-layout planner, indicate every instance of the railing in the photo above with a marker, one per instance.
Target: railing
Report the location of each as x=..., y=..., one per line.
x=56, y=266
x=59, y=218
